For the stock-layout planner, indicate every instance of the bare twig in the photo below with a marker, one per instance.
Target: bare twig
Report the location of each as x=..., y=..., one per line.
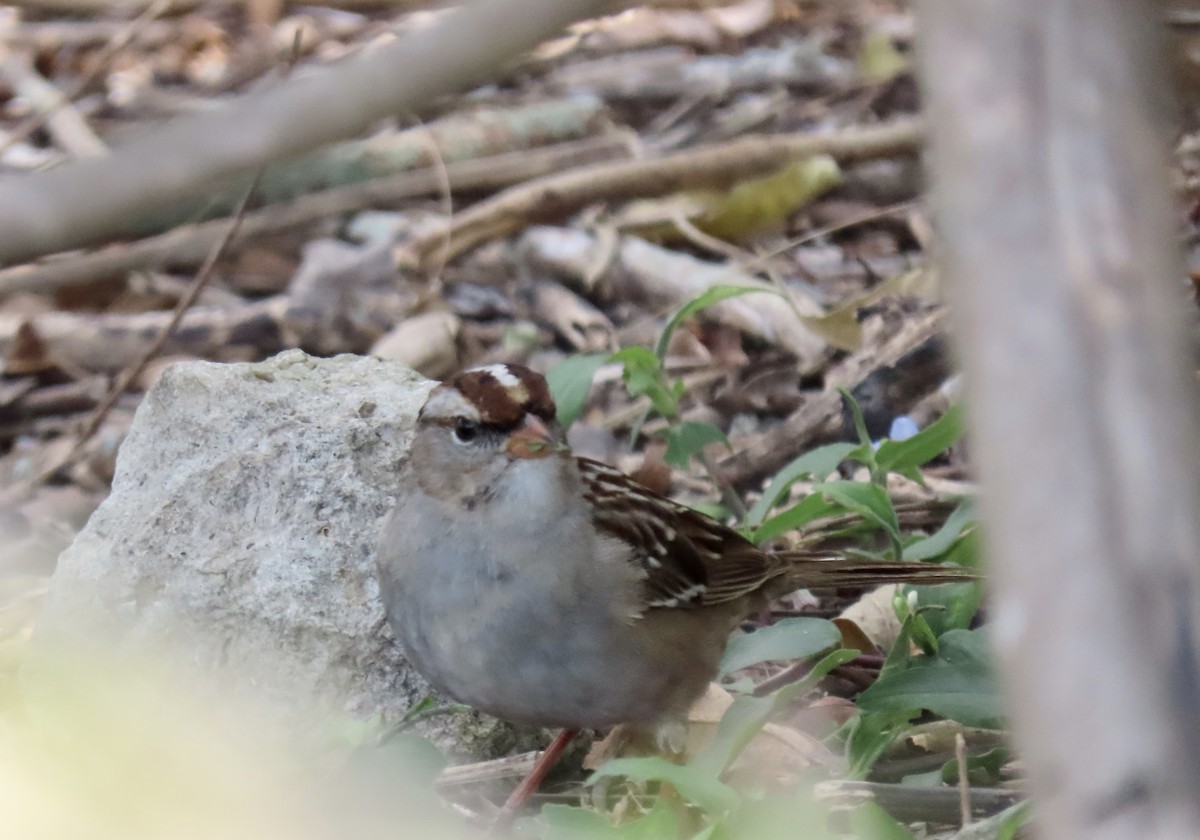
x=190, y=244
x=819, y=418
x=913, y=804
x=821, y=233
x=88, y=201
x=99, y=67
x=720, y=165
x=509, y=767
x=133, y=371
x=445, y=192
x=64, y=123
x=964, y=785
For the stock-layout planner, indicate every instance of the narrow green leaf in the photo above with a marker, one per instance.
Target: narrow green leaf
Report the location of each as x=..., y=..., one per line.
x=813, y=506
x=957, y=602
x=982, y=770
x=869, y=501
x=922, y=633
x=860, y=424
x=818, y=463
x=643, y=376
x=698, y=787
x=863, y=453
x=870, y=734
x=740, y=723
x=790, y=638
x=637, y=358
x=570, y=381
x=940, y=542
x=1015, y=819
x=869, y=820
x=748, y=714
x=714, y=294
x=933, y=440
x=898, y=654
x=967, y=551
x=564, y=822
x=687, y=438
x=790, y=815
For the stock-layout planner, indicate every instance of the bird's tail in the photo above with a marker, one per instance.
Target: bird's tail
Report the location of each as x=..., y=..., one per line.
x=807, y=569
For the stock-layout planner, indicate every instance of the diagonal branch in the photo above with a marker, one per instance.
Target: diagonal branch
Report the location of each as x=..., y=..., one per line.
x=88, y=202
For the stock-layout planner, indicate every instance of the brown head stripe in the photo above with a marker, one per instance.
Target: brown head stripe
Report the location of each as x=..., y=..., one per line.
x=505, y=393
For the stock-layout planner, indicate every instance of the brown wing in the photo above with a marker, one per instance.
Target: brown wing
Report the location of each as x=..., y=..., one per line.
x=689, y=559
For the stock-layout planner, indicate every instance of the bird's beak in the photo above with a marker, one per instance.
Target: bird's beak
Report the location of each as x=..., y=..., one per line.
x=532, y=440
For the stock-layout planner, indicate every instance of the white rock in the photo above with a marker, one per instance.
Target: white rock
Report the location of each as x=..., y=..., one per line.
x=239, y=537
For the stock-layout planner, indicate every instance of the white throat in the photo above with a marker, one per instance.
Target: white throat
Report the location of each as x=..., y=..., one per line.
x=534, y=491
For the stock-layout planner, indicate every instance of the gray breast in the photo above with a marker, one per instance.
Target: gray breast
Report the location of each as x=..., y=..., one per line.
x=503, y=624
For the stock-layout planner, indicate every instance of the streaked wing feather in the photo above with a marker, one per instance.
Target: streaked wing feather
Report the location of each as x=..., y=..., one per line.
x=689, y=560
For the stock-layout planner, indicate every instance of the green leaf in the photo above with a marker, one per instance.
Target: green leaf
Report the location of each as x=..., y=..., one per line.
x=637, y=359
x=933, y=440
x=818, y=463
x=940, y=542
x=748, y=714
x=740, y=723
x=870, y=734
x=698, y=787
x=957, y=602
x=714, y=294
x=643, y=375
x=966, y=552
x=914, y=629
x=790, y=638
x=863, y=453
x=922, y=634
x=957, y=683
x=567, y=823
x=897, y=657
x=982, y=770
x=687, y=438
x=570, y=381
x=812, y=506
x=869, y=820
x=1018, y=817
x=787, y=816
x=869, y=501
x=860, y=424
x=711, y=508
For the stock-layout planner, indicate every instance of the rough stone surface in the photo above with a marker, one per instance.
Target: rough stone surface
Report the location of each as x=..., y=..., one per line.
x=240, y=534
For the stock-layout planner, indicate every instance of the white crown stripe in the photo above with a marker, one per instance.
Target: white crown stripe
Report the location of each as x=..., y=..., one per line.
x=505, y=377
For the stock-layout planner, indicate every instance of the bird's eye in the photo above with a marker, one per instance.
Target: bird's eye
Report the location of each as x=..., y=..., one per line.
x=466, y=430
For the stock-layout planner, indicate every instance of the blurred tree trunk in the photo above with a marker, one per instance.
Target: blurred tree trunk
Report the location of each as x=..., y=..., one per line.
x=1049, y=132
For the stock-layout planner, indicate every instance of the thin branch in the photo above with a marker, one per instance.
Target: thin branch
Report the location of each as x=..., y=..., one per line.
x=86, y=202
x=719, y=165
x=133, y=371
x=190, y=244
x=98, y=68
